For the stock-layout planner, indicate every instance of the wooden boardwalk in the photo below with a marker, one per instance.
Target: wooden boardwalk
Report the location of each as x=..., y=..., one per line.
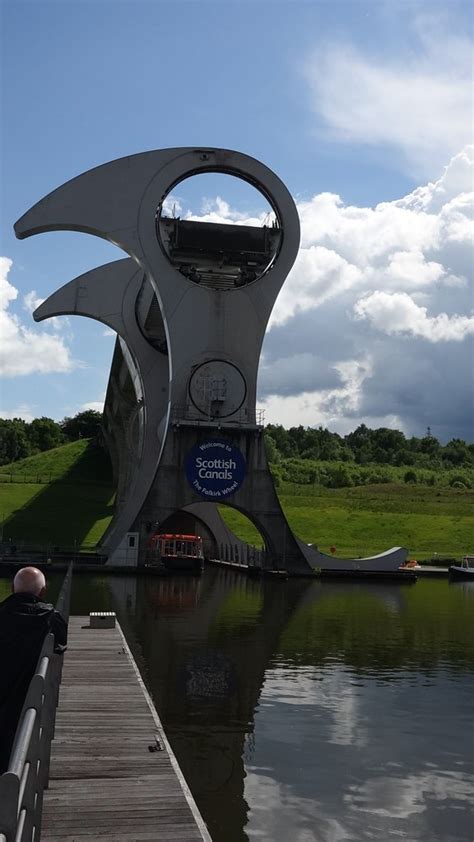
x=105, y=783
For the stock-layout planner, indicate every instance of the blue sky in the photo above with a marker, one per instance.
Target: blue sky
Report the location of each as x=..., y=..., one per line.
x=367, y=101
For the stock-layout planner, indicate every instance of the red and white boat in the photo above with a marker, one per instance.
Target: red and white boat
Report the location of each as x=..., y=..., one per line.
x=178, y=553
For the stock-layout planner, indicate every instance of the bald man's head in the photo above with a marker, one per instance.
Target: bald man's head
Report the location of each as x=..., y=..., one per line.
x=29, y=580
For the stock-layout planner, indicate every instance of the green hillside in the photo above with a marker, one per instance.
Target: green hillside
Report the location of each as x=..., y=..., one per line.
x=64, y=496
x=81, y=460
x=369, y=519
x=61, y=497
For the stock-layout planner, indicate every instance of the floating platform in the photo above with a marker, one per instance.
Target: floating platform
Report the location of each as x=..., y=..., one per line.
x=252, y=570
x=386, y=575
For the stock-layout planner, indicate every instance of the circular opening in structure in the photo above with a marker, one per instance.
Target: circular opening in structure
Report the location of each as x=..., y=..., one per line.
x=218, y=230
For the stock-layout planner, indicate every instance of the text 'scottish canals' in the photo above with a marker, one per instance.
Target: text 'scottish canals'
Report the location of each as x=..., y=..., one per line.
x=215, y=469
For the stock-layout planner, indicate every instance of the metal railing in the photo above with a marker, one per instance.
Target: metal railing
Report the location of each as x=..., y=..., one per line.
x=189, y=415
x=22, y=785
x=48, y=478
x=245, y=554
x=21, y=551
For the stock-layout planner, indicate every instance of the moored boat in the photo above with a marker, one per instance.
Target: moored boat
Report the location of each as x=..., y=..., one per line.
x=465, y=570
x=178, y=553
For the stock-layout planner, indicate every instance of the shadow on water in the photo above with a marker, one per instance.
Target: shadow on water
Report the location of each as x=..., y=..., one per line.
x=72, y=510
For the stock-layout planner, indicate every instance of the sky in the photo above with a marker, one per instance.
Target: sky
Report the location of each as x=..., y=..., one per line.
x=363, y=109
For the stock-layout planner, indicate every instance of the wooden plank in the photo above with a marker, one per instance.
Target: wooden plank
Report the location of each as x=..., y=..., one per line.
x=105, y=783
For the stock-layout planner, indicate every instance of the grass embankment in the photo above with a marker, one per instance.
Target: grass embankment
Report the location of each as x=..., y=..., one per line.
x=62, y=497
x=65, y=496
x=369, y=519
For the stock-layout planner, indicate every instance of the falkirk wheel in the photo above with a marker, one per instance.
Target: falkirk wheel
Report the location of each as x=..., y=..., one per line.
x=190, y=305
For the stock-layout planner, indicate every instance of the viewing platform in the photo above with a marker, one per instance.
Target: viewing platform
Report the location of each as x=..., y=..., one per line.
x=113, y=775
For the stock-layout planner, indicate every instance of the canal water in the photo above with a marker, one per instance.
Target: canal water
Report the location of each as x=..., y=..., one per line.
x=309, y=711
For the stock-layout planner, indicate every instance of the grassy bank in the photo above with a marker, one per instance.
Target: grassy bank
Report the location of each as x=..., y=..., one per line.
x=369, y=519
x=65, y=496
x=62, y=497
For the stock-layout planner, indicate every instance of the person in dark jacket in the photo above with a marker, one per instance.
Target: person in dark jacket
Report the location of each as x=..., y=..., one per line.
x=25, y=620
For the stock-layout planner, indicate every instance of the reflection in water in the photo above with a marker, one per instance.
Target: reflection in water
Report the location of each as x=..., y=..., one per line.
x=309, y=710
x=364, y=729
x=378, y=761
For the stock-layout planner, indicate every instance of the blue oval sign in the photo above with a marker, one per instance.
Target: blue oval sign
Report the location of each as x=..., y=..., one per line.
x=215, y=469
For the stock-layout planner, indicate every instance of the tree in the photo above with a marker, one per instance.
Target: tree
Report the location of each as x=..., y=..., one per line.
x=44, y=434
x=84, y=425
x=457, y=453
x=271, y=448
x=297, y=436
x=14, y=443
x=404, y=457
x=333, y=449
x=281, y=438
x=387, y=444
x=430, y=445
x=340, y=477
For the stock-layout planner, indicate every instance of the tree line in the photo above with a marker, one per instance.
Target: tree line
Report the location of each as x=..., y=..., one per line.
x=19, y=439
x=364, y=446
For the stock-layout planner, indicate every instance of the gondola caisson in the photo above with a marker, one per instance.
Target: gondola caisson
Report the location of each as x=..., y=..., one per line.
x=178, y=553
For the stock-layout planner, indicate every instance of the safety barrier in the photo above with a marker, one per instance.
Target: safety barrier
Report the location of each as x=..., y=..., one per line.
x=22, y=785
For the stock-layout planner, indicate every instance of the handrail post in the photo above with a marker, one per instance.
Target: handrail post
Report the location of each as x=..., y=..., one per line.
x=29, y=793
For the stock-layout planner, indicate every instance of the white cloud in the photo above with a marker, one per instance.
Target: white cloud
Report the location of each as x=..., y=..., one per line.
x=98, y=406
x=32, y=301
x=382, y=298
x=57, y=323
x=407, y=268
x=219, y=211
x=419, y=101
x=23, y=350
x=413, y=244
x=319, y=273
x=172, y=206
x=24, y=411
x=8, y=292
x=398, y=313
x=326, y=409
x=454, y=186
